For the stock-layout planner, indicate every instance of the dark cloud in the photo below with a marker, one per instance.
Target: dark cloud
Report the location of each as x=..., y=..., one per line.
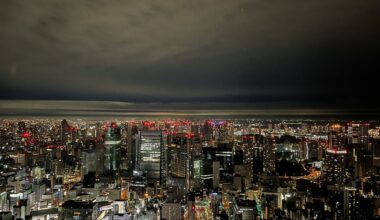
x=127, y=110
x=270, y=53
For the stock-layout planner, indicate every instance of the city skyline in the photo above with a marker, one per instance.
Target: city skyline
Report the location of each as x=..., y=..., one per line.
x=189, y=169
x=189, y=110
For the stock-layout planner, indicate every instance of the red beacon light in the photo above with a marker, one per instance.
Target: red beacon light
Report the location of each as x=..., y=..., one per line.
x=113, y=125
x=147, y=123
x=189, y=135
x=25, y=134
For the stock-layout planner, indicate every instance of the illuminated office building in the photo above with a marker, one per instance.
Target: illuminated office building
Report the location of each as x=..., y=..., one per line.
x=210, y=169
x=334, y=167
x=132, y=131
x=65, y=131
x=151, y=156
x=269, y=156
x=180, y=156
x=208, y=131
x=196, y=171
x=89, y=161
x=171, y=211
x=223, y=131
x=351, y=203
x=224, y=156
x=244, y=209
x=112, y=146
x=358, y=133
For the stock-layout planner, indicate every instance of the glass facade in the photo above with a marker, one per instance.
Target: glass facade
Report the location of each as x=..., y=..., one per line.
x=151, y=157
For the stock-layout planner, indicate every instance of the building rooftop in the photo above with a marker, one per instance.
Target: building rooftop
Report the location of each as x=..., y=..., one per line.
x=73, y=204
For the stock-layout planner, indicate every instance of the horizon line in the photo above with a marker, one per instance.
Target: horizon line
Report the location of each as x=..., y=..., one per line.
x=76, y=108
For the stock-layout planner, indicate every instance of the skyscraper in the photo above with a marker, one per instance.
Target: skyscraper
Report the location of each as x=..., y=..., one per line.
x=350, y=203
x=65, y=129
x=132, y=131
x=112, y=146
x=334, y=168
x=358, y=134
x=208, y=131
x=151, y=156
x=89, y=161
x=223, y=131
x=181, y=155
x=269, y=156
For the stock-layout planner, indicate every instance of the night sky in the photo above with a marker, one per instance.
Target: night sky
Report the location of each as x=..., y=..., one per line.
x=301, y=54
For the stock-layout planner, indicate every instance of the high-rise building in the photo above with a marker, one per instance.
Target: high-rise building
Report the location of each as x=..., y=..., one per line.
x=112, y=146
x=253, y=151
x=224, y=155
x=208, y=130
x=196, y=171
x=358, y=133
x=244, y=209
x=180, y=156
x=151, y=156
x=21, y=209
x=336, y=138
x=334, y=166
x=132, y=132
x=269, y=156
x=223, y=131
x=64, y=131
x=210, y=173
x=351, y=203
x=196, y=130
x=246, y=173
x=89, y=161
x=171, y=211
x=215, y=174
x=309, y=150
x=376, y=153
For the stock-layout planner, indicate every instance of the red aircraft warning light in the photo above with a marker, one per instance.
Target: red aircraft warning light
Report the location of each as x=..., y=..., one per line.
x=26, y=134
x=113, y=125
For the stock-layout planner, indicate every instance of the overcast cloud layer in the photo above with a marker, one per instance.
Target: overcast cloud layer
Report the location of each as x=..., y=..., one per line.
x=269, y=53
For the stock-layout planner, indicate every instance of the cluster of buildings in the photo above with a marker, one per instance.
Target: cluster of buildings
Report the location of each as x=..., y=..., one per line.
x=181, y=169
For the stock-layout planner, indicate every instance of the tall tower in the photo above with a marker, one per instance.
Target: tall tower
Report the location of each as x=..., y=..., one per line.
x=65, y=127
x=363, y=134
x=89, y=161
x=269, y=156
x=112, y=146
x=336, y=157
x=351, y=203
x=208, y=130
x=132, y=132
x=358, y=134
x=223, y=131
x=180, y=157
x=151, y=156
